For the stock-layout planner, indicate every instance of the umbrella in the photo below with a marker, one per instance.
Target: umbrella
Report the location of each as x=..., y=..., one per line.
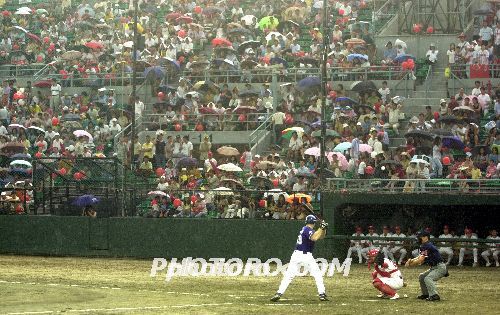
x=21, y=163
x=21, y=156
x=221, y=42
x=264, y=165
x=260, y=181
x=207, y=110
x=299, y=197
x=399, y=42
x=342, y=147
x=129, y=44
x=229, y=167
x=220, y=62
x=23, y=11
x=340, y=157
x=41, y=11
x=228, y=151
x=251, y=93
x=314, y=151
x=170, y=62
x=233, y=25
x=244, y=109
x=288, y=132
x=19, y=171
x=308, y=83
x=184, y=18
x=419, y=161
x=16, y=126
x=94, y=45
x=154, y=72
x=20, y=29
x=420, y=134
x=172, y=16
x=453, y=142
x=279, y=61
x=12, y=148
x=85, y=200
x=351, y=57
x=212, y=10
x=345, y=100
x=448, y=119
x=223, y=191
x=34, y=37
x=229, y=182
x=268, y=22
x=248, y=64
x=288, y=22
x=276, y=194
x=328, y=133
x=360, y=86
x=43, y=84
x=157, y=193
x=187, y=162
x=403, y=58
x=355, y=41
x=71, y=55
x=241, y=31
x=83, y=133
x=204, y=85
x=365, y=148
x=248, y=44
x=36, y=129
x=463, y=108
x=276, y=35
x=225, y=49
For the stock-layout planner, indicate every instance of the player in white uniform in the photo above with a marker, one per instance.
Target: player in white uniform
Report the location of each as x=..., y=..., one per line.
x=356, y=245
x=387, y=278
x=368, y=244
x=468, y=249
x=384, y=245
x=494, y=249
x=302, y=256
x=445, y=248
x=397, y=246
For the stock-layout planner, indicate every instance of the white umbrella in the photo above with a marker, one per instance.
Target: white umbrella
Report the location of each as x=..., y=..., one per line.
x=21, y=162
x=83, y=133
x=23, y=11
x=223, y=191
x=156, y=193
x=36, y=128
x=230, y=167
x=21, y=29
x=419, y=161
x=128, y=44
x=249, y=19
x=14, y=126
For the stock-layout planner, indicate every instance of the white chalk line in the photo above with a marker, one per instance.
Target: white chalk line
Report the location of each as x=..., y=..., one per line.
x=122, y=309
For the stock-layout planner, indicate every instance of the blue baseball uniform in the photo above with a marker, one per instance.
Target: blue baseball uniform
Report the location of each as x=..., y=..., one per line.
x=437, y=271
x=302, y=256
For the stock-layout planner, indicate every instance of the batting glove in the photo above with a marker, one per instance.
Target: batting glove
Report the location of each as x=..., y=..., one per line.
x=323, y=225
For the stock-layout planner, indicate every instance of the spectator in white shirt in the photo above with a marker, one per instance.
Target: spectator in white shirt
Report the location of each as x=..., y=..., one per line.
x=186, y=146
x=295, y=147
x=486, y=33
x=55, y=92
x=384, y=91
x=451, y=55
x=432, y=54
x=477, y=89
x=484, y=99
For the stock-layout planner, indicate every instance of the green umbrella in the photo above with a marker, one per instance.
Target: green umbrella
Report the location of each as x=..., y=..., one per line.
x=329, y=133
x=268, y=22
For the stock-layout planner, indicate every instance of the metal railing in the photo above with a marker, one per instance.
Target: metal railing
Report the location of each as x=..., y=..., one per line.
x=428, y=83
x=255, y=138
x=419, y=186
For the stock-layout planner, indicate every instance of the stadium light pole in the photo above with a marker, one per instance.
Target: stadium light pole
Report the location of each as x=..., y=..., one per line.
x=324, y=80
x=134, y=84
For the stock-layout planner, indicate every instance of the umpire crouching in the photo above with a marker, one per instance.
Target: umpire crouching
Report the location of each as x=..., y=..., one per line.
x=429, y=254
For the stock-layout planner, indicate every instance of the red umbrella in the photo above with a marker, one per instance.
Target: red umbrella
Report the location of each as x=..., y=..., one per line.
x=172, y=16
x=207, y=110
x=185, y=19
x=43, y=84
x=94, y=45
x=221, y=42
x=244, y=109
x=34, y=37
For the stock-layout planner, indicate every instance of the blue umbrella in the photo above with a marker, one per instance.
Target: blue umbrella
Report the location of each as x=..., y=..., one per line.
x=277, y=61
x=403, y=58
x=19, y=171
x=85, y=200
x=453, y=142
x=351, y=57
x=342, y=147
x=157, y=72
x=346, y=100
x=167, y=61
x=308, y=82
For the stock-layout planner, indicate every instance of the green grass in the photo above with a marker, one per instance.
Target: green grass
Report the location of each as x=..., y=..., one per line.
x=111, y=286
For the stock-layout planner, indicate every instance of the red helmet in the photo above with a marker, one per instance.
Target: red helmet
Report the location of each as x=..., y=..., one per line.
x=373, y=252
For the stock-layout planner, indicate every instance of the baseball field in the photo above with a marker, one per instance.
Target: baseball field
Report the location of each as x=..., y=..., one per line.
x=49, y=285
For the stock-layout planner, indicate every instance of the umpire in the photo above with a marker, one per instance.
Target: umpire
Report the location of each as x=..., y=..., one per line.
x=429, y=254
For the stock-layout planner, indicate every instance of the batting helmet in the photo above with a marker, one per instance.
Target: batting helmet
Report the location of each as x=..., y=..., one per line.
x=373, y=252
x=311, y=219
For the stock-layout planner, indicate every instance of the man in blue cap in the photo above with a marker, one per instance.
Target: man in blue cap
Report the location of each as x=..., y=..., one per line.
x=429, y=254
x=302, y=256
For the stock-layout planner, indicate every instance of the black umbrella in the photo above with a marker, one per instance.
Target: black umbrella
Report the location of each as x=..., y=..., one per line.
x=419, y=134
x=448, y=119
x=442, y=132
x=248, y=64
x=248, y=44
x=249, y=94
x=240, y=31
x=364, y=85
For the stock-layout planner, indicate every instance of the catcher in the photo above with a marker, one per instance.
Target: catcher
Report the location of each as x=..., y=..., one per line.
x=429, y=254
x=387, y=278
